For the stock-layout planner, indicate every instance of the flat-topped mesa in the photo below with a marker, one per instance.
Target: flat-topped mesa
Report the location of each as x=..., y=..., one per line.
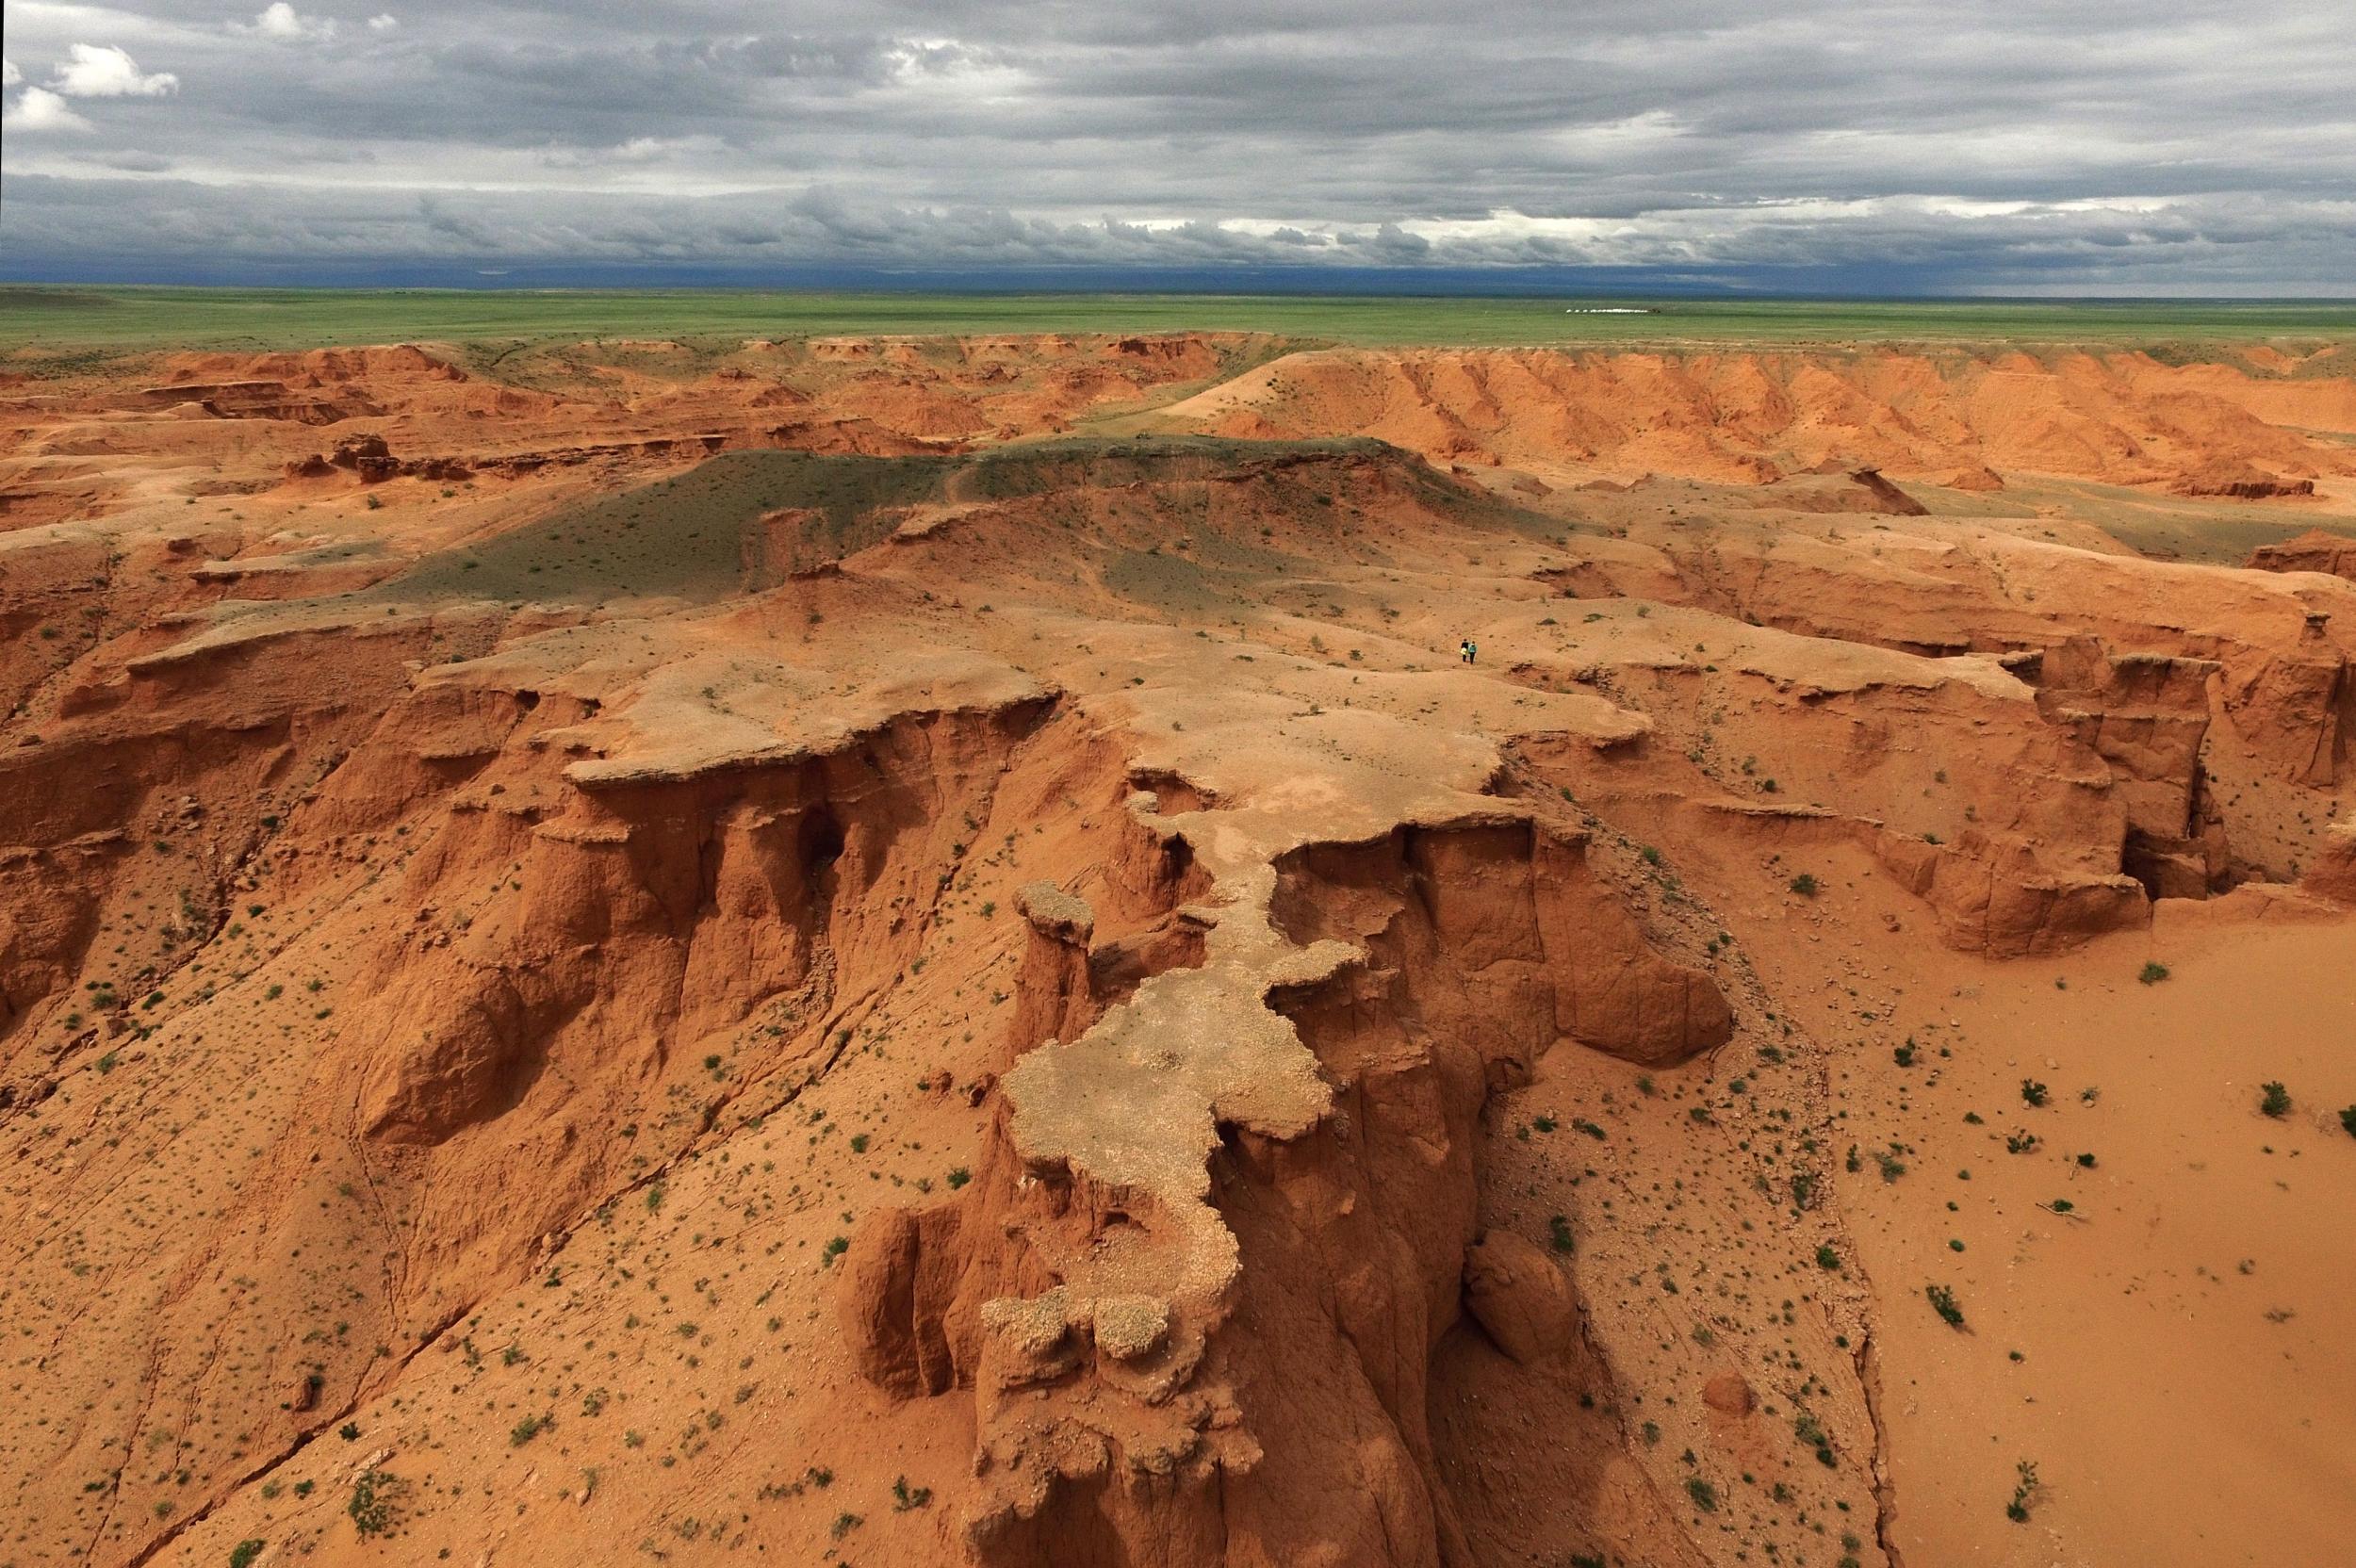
x=1099, y=1177
x=2233, y=479
x=1287, y=1126
x=2316, y=551
x=1053, y=997
x=1056, y=914
x=1132, y=1111
x=1118, y=1128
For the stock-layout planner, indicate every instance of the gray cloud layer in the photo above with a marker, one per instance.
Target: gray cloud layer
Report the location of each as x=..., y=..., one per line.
x=2080, y=144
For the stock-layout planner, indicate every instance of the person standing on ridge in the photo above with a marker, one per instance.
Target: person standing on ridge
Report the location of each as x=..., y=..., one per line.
x=1463, y=649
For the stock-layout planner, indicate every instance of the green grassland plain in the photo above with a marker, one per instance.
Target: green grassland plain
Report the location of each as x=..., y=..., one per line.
x=39, y=323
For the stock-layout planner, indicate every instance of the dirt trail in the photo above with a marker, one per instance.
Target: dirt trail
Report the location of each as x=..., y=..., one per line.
x=668, y=949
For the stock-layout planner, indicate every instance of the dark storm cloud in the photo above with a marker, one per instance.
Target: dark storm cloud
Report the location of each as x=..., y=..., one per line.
x=2082, y=144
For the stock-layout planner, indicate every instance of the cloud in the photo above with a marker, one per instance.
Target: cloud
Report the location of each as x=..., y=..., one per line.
x=441, y=220
x=37, y=109
x=10, y=75
x=1925, y=244
x=637, y=150
x=95, y=72
x=384, y=24
x=280, y=20
x=1909, y=143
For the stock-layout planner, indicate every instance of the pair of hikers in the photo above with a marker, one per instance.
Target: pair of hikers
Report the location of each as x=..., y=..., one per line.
x=1469, y=650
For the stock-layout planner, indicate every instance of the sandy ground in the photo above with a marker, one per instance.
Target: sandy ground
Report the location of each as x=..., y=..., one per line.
x=2194, y=1271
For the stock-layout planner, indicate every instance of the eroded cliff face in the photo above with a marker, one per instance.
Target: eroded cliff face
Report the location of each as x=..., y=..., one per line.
x=1961, y=419
x=779, y=983
x=1109, y=1303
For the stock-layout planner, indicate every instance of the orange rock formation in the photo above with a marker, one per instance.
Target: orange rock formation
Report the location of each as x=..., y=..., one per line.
x=921, y=950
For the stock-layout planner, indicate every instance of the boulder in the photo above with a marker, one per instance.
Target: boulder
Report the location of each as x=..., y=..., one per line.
x=1519, y=1298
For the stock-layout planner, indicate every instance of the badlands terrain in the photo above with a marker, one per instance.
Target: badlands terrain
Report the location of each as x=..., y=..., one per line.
x=897, y=951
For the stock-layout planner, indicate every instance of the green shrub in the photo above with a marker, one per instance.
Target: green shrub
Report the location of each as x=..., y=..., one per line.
x=2024, y=1492
x=1806, y=884
x=2152, y=972
x=372, y=1506
x=243, y=1553
x=2274, y=1100
x=1942, y=1301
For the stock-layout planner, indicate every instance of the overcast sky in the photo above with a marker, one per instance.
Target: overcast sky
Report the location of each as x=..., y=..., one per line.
x=2158, y=146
